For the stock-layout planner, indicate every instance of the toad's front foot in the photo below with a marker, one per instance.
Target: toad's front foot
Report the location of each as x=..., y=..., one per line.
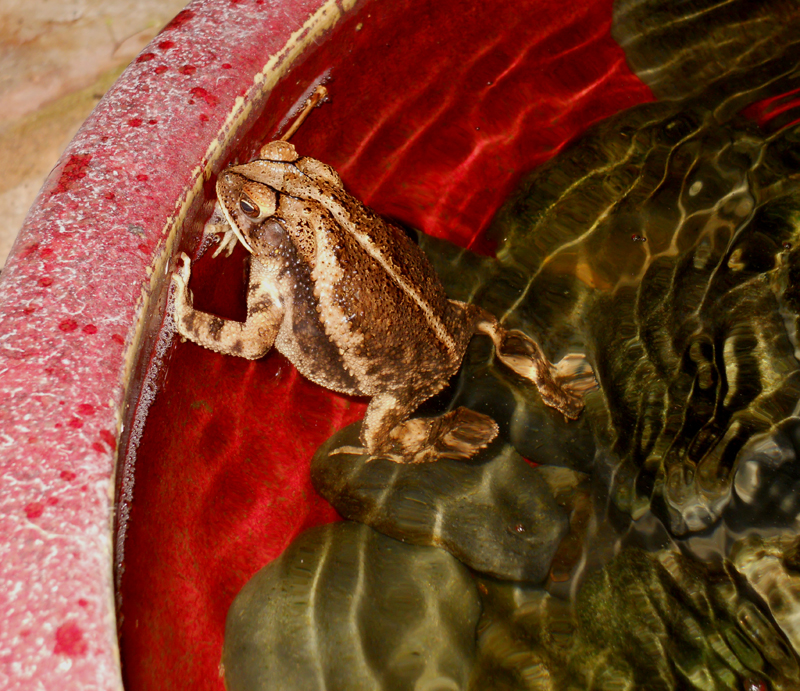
x=219, y=229
x=181, y=280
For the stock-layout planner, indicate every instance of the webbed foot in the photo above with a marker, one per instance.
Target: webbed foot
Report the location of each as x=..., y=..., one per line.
x=574, y=373
x=457, y=435
x=560, y=385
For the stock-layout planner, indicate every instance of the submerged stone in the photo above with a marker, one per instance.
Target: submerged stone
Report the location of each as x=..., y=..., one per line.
x=772, y=568
x=348, y=609
x=665, y=245
x=766, y=488
x=496, y=513
x=704, y=47
x=660, y=621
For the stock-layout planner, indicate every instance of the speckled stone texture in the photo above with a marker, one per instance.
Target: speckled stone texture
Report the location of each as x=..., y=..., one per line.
x=57, y=62
x=80, y=299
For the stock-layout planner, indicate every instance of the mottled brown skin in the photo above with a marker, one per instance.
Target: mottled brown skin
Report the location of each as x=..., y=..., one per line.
x=354, y=304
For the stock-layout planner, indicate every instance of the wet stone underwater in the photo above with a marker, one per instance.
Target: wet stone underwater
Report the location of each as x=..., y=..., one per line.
x=652, y=544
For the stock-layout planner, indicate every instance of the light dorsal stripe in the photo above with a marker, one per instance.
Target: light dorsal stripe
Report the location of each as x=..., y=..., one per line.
x=436, y=324
x=342, y=218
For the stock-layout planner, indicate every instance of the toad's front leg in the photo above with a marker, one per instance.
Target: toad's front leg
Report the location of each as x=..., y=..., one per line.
x=250, y=339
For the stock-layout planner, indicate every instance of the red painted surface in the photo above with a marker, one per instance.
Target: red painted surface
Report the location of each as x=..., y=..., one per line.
x=436, y=109
x=435, y=113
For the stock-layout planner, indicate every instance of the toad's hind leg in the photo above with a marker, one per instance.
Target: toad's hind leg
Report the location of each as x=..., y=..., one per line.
x=387, y=433
x=560, y=385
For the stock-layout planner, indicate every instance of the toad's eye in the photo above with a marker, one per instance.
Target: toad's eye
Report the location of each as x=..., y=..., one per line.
x=249, y=207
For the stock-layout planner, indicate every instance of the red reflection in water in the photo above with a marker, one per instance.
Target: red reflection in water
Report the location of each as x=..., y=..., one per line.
x=766, y=110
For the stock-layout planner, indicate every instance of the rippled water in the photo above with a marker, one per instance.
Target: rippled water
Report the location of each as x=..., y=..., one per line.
x=653, y=544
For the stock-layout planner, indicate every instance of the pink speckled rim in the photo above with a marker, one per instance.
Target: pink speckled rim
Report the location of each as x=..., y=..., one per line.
x=82, y=299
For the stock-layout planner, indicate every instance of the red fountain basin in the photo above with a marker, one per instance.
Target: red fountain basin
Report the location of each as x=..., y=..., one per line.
x=435, y=111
